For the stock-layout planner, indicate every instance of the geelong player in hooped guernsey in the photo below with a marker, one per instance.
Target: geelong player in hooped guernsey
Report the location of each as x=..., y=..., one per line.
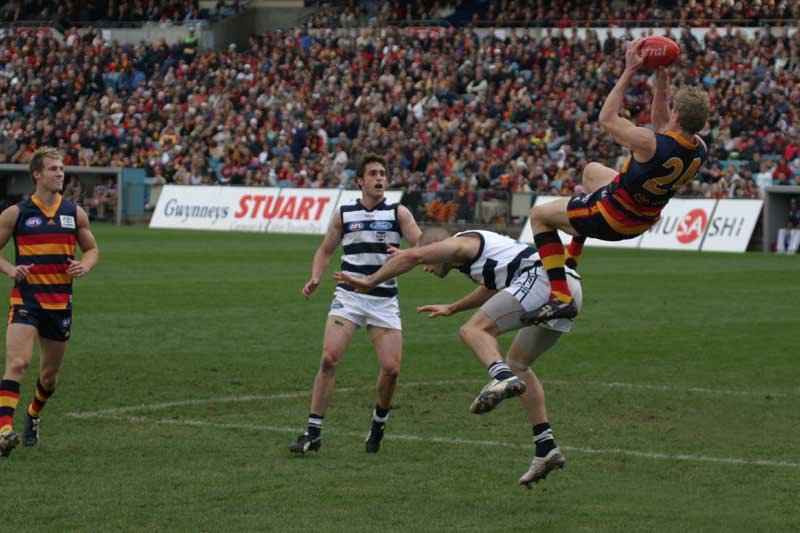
x=511, y=281
x=369, y=230
x=46, y=230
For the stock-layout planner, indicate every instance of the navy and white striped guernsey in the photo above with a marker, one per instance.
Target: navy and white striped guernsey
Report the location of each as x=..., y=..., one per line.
x=365, y=234
x=500, y=259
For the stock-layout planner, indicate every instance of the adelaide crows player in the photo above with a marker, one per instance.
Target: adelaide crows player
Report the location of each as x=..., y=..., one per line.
x=622, y=205
x=46, y=229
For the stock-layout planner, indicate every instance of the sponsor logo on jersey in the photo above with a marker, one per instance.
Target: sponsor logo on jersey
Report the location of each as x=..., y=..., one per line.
x=33, y=222
x=380, y=225
x=355, y=226
x=67, y=221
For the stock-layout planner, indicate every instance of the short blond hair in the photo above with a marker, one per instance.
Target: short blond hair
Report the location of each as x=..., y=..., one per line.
x=37, y=160
x=433, y=234
x=693, y=108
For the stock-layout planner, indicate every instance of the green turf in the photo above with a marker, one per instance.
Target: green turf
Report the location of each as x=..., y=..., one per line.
x=680, y=374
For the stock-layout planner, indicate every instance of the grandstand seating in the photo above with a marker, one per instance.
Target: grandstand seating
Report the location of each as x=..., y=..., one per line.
x=470, y=111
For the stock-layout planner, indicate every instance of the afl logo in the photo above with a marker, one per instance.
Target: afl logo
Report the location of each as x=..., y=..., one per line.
x=33, y=222
x=355, y=226
x=380, y=225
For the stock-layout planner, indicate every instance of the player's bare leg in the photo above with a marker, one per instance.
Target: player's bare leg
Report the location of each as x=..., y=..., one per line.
x=388, y=345
x=50, y=363
x=546, y=220
x=19, y=352
x=529, y=344
x=338, y=332
x=480, y=333
x=596, y=176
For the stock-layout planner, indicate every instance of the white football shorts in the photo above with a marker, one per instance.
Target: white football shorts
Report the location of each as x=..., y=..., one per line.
x=529, y=291
x=363, y=309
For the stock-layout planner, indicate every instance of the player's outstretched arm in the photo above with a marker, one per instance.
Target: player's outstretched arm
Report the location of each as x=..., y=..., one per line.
x=640, y=140
x=660, y=109
x=401, y=261
x=452, y=250
x=476, y=298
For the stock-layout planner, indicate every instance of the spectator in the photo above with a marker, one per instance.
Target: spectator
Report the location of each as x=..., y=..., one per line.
x=433, y=105
x=782, y=175
x=73, y=190
x=789, y=236
x=103, y=201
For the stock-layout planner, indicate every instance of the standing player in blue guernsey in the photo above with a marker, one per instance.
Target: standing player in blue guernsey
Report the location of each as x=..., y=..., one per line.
x=46, y=229
x=366, y=230
x=622, y=205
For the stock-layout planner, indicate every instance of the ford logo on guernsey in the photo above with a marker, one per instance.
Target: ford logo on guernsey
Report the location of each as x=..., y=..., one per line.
x=355, y=226
x=33, y=222
x=381, y=225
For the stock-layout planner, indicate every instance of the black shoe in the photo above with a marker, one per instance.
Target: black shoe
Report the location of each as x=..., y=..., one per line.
x=30, y=435
x=551, y=310
x=374, y=437
x=8, y=441
x=304, y=443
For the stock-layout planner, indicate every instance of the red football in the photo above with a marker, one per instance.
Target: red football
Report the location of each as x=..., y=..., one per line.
x=659, y=51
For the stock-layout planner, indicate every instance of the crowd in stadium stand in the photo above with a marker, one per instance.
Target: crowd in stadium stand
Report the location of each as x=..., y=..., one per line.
x=550, y=13
x=107, y=12
x=460, y=118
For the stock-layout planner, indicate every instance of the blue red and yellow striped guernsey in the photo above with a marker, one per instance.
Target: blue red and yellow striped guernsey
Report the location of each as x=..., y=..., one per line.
x=45, y=239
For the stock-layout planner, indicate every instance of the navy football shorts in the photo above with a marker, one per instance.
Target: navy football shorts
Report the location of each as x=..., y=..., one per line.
x=53, y=325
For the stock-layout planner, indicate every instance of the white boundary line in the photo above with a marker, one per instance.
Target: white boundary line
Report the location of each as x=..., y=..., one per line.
x=246, y=398
x=120, y=413
x=673, y=388
x=461, y=441
x=300, y=394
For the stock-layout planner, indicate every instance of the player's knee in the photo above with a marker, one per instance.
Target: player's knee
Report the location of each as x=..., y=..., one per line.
x=472, y=330
x=330, y=360
x=536, y=213
x=593, y=176
x=391, y=371
x=16, y=366
x=467, y=332
x=48, y=379
x=541, y=219
x=591, y=169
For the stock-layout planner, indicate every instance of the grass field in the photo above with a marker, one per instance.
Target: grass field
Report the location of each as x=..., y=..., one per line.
x=675, y=399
